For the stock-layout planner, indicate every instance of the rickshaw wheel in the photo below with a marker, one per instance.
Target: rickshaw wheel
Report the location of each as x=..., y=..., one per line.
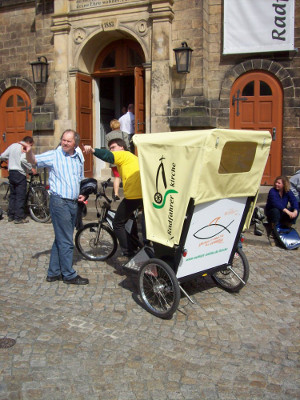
x=227, y=279
x=96, y=243
x=159, y=288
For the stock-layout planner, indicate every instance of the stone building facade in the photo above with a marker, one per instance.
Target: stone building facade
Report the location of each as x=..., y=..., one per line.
x=104, y=54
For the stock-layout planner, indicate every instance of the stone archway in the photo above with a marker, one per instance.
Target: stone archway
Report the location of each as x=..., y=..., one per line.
x=21, y=83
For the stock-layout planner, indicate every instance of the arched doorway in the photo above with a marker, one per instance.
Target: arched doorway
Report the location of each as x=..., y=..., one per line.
x=15, y=111
x=120, y=72
x=119, y=76
x=256, y=102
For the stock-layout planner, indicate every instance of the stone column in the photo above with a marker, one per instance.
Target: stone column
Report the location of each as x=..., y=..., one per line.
x=147, y=68
x=61, y=28
x=162, y=16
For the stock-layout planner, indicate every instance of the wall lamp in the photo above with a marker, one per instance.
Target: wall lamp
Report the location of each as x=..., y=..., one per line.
x=40, y=70
x=183, y=57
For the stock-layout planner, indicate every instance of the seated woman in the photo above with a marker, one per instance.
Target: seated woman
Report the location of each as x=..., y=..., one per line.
x=279, y=197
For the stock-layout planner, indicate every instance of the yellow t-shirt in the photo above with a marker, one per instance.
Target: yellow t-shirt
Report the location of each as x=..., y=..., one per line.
x=129, y=170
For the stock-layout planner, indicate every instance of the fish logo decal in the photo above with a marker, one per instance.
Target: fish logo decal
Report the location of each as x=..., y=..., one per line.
x=159, y=198
x=211, y=230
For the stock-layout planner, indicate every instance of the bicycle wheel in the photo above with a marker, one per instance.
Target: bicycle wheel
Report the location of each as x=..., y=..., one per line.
x=159, y=288
x=4, y=196
x=96, y=242
x=235, y=276
x=38, y=204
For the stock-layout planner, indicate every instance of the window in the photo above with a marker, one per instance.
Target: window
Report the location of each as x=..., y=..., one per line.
x=264, y=89
x=20, y=101
x=237, y=157
x=133, y=58
x=110, y=60
x=10, y=101
x=248, y=89
x=119, y=55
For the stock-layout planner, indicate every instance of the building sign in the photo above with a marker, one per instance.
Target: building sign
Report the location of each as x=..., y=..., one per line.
x=254, y=26
x=82, y=4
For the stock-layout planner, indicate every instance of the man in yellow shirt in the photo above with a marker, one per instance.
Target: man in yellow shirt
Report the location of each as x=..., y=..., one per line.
x=128, y=168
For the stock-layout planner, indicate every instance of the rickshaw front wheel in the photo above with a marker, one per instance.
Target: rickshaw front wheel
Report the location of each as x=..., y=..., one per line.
x=235, y=276
x=96, y=242
x=159, y=288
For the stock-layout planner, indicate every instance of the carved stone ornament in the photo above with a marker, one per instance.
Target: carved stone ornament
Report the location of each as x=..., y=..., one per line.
x=79, y=35
x=142, y=27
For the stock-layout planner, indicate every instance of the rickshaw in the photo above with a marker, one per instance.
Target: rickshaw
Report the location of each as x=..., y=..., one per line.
x=199, y=192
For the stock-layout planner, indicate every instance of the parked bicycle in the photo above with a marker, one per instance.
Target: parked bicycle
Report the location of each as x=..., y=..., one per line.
x=37, y=197
x=97, y=241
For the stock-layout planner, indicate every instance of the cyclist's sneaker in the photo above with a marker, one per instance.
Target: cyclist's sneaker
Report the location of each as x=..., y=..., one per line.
x=115, y=197
x=21, y=221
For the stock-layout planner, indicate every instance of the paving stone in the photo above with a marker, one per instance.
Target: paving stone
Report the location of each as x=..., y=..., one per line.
x=97, y=342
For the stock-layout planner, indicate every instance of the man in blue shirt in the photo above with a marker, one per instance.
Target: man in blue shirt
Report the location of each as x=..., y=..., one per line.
x=65, y=174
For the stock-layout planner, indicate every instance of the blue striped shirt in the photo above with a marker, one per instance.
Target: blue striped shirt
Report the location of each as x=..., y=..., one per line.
x=65, y=172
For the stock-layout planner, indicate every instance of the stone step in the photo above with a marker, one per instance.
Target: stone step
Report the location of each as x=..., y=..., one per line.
x=263, y=194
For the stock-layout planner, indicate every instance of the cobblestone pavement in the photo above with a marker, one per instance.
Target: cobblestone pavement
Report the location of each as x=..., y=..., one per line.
x=97, y=342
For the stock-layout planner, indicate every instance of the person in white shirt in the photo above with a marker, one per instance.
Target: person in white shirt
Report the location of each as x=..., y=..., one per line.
x=18, y=168
x=295, y=185
x=127, y=121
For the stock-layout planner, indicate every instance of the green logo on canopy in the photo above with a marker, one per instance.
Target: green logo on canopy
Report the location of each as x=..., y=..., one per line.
x=159, y=199
x=164, y=199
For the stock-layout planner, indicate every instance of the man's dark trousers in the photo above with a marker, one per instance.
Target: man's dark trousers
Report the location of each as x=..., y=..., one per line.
x=17, y=184
x=124, y=212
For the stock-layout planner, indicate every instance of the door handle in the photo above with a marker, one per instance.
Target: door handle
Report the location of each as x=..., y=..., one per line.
x=4, y=136
x=273, y=134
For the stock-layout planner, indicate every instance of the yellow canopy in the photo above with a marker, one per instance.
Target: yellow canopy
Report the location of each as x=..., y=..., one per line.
x=205, y=165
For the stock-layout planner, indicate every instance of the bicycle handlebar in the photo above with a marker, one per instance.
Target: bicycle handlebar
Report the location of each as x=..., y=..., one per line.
x=105, y=184
x=103, y=194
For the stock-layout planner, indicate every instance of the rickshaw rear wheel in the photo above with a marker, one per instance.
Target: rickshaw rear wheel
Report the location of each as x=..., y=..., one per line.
x=159, y=288
x=227, y=279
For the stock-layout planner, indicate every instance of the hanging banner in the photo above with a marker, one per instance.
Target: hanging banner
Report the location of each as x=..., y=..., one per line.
x=255, y=26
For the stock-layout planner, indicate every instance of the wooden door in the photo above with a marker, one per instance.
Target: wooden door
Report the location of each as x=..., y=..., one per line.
x=15, y=111
x=139, y=100
x=85, y=118
x=256, y=103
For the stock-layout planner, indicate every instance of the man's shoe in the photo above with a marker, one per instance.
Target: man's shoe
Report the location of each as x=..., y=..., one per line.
x=53, y=278
x=10, y=219
x=21, y=221
x=77, y=281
